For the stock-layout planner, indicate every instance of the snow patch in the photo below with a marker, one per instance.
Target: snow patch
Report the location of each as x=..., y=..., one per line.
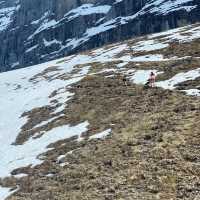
x=5, y=192
x=32, y=48
x=101, y=135
x=49, y=43
x=87, y=9
x=193, y=92
x=149, y=45
x=6, y=17
x=164, y=7
x=179, y=78
x=145, y=58
x=27, y=154
x=142, y=76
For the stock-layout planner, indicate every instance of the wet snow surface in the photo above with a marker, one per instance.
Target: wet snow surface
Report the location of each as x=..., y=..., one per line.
x=25, y=89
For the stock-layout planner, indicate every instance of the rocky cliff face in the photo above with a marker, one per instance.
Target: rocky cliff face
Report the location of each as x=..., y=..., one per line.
x=32, y=32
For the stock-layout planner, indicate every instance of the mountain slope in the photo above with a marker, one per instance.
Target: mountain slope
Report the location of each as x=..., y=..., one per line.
x=54, y=117
x=34, y=32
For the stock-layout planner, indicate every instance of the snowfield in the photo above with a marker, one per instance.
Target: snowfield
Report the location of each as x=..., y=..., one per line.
x=29, y=88
x=21, y=95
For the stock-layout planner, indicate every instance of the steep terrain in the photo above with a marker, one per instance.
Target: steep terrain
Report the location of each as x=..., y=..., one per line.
x=71, y=129
x=32, y=32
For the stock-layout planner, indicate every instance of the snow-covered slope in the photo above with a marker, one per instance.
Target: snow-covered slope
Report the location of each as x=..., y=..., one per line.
x=31, y=33
x=48, y=89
